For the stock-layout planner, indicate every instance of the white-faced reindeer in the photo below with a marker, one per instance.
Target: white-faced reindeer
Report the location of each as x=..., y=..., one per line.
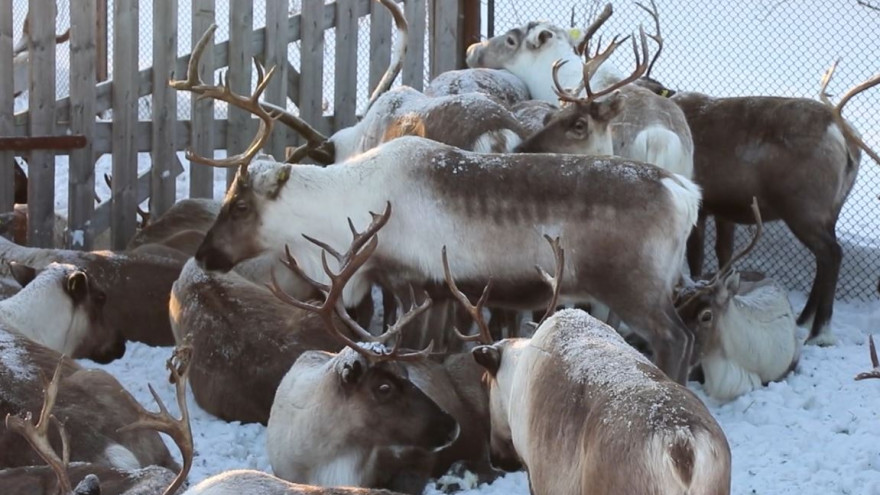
x=92, y=404
x=745, y=329
x=136, y=286
x=648, y=128
x=75, y=323
x=123, y=471
x=807, y=142
x=586, y=413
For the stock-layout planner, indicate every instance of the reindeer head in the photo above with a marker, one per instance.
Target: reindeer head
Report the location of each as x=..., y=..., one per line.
x=518, y=49
x=62, y=307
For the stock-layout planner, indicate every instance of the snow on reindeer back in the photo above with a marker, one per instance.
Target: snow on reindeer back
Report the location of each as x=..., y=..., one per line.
x=14, y=358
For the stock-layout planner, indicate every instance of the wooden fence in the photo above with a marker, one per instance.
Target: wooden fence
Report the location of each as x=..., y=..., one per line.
x=126, y=135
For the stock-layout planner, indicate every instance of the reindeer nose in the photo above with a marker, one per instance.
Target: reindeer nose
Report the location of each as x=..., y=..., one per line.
x=473, y=55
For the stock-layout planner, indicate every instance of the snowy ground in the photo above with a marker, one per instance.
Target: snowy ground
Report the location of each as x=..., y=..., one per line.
x=815, y=433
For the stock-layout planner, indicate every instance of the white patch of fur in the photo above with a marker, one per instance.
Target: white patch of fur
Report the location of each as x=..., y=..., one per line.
x=660, y=146
x=530, y=64
x=15, y=359
x=121, y=458
x=709, y=471
x=43, y=312
x=758, y=342
x=344, y=470
x=686, y=197
x=825, y=337
x=848, y=176
x=500, y=141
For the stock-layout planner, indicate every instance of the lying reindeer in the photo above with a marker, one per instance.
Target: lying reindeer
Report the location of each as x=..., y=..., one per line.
x=359, y=383
x=136, y=285
x=807, y=142
x=649, y=128
x=74, y=324
x=745, y=330
x=586, y=413
x=92, y=403
x=99, y=478
x=501, y=85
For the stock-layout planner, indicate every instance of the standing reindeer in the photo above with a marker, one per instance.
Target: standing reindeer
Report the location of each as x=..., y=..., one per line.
x=745, y=328
x=648, y=128
x=586, y=413
x=807, y=142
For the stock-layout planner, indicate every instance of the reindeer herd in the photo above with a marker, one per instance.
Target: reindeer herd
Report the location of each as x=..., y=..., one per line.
x=541, y=155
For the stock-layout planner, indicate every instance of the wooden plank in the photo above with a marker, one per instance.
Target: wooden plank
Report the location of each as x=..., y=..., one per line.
x=164, y=106
x=345, y=82
x=41, y=98
x=275, y=54
x=102, y=216
x=201, y=178
x=101, y=40
x=444, y=36
x=7, y=102
x=470, y=18
x=413, y=72
x=124, y=201
x=81, y=180
x=221, y=59
x=30, y=143
x=311, y=94
x=380, y=43
x=241, y=23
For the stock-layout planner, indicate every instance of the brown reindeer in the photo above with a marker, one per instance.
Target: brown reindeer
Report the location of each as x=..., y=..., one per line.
x=586, y=413
x=500, y=85
x=92, y=404
x=808, y=143
x=137, y=286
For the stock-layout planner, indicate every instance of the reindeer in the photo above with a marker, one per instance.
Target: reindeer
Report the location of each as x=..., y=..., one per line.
x=745, y=329
x=500, y=85
x=97, y=477
x=74, y=326
x=137, y=286
x=586, y=413
x=260, y=483
x=808, y=142
x=92, y=403
x=322, y=429
x=649, y=128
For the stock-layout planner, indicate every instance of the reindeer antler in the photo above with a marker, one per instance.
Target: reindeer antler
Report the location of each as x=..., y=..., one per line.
x=555, y=281
x=725, y=270
x=145, y=215
x=362, y=246
x=837, y=110
x=601, y=19
x=38, y=435
x=483, y=335
x=179, y=430
x=874, y=373
x=658, y=38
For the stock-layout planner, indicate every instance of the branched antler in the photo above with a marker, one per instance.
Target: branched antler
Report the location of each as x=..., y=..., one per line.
x=555, y=281
x=601, y=19
x=837, y=110
x=179, y=430
x=362, y=246
x=874, y=373
x=38, y=435
x=658, y=38
x=483, y=335
x=145, y=215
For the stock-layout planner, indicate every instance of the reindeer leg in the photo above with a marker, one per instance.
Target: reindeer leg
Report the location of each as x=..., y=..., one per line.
x=696, y=246
x=724, y=240
x=822, y=242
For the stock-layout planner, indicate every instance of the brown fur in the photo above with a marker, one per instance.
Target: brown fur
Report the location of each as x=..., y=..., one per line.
x=500, y=85
x=190, y=214
x=779, y=151
x=41, y=480
x=137, y=286
x=91, y=403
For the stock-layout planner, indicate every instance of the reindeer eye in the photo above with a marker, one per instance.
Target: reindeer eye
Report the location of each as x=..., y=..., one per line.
x=241, y=206
x=511, y=41
x=705, y=316
x=384, y=390
x=580, y=125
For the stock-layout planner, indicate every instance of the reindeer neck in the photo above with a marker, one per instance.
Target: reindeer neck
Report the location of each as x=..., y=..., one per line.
x=32, y=314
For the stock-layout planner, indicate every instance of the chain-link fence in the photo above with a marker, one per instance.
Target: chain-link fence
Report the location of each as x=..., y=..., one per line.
x=765, y=47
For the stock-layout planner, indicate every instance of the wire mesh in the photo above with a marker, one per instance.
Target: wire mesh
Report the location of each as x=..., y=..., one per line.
x=766, y=47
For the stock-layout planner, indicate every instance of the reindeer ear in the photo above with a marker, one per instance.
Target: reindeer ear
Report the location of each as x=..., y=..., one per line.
x=731, y=284
x=352, y=372
x=78, y=285
x=544, y=36
x=489, y=357
x=22, y=274
x=608, y=108
x=281, y=178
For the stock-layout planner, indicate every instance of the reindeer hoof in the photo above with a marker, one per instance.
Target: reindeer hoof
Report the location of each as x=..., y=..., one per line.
x=458, y=478
x=824, y=339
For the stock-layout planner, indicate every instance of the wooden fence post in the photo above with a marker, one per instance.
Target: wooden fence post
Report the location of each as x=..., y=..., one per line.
x=345, y=80
x=201, y=182
x=163, y=182
x=81, y=180
x=101, y=39
x=275, y=51
x=238, y=132
x=413, y=72
x=124, y=203
x=311, y=82
x=41, y=99
x=470, y=28
x=380, y=43
x=7, y=169
x=444, y=26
